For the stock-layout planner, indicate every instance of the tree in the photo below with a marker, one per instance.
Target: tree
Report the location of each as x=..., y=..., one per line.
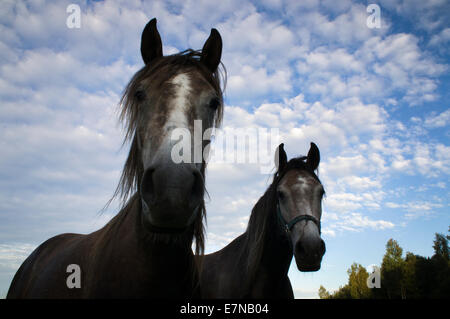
x=440, y=246
x=412, y=277
x=323, y=293
x=440, y=264
x=357, y=281
x=342, y=293
x=409, y=276
x=392, y=271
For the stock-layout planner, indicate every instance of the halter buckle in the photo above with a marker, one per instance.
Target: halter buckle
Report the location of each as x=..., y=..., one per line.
x=286, y=228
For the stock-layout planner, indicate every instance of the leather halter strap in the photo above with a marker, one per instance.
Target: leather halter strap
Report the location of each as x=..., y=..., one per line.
x=288, y=225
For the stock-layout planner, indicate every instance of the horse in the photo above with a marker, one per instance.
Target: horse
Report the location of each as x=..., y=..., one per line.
x=285, y=222
x=145, y=251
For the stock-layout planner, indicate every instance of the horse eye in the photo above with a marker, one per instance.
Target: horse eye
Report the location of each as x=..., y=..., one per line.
x=139, y=95
x=214, y=103
x=280, y=195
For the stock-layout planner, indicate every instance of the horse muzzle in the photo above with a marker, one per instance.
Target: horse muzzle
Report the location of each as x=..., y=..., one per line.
x=308, y=253
x=171, y=195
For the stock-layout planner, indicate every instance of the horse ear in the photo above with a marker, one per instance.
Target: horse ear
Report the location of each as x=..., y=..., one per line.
x=212, y=51
x=151, y=45
x=313, y=157
x=280, y=158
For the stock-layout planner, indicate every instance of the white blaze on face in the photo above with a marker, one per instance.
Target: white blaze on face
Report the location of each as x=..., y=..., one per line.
x=180, y=104
x=303, y=182
x=304, y=187
x=307, y=228
x=177, y=125
x=177, y=120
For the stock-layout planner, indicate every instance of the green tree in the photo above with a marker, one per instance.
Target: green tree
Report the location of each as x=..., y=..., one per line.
x=392, y=269
x=357, y=281
x=412, y=277
x=409, y=277
x=440, y=264
x=342, y=293
x=323, y=293
x=425, y=278
x=440, y=246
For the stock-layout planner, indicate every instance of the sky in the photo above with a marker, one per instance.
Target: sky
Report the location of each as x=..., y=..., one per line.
x=374, y=100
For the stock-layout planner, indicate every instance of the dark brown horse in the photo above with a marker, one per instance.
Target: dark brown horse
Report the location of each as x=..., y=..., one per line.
x=284, y=222
x=145, y=250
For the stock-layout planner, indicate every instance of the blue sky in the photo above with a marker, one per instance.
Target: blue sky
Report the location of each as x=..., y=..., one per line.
x=375, y=101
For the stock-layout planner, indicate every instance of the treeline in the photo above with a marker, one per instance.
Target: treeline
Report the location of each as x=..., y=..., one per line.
x=409, y=277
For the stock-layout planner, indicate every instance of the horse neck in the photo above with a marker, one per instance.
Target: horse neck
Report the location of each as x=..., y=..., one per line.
x=275, y=254
x=126, y=233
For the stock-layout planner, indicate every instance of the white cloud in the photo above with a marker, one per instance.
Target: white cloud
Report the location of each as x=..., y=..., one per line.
x=12, y=255
x=345, y=165
x=360, y=183
x=416, y=209
x=347, y=28
x=43, y=68
x=432, y=159
x=379, y=66
x=424, y=15
x=360, y=221
x=440, y=41
x=357, y=222
x=251, y=82
x=439, y=120
x=401, y=164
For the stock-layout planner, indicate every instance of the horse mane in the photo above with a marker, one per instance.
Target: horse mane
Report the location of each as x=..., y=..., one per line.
x=263, y=216
x=130, y=115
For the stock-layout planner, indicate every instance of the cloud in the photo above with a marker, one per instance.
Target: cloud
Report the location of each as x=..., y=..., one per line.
x=347, y=28
x=440, y=41
x=423, y=15
x=360, y=221
x=360, y=183
x=416, y=209
x=439, y=120
x=432, y=159
x=42, y=68
x=12, y=255
x=346, y=165
x=253, y=82
x=356, y=222
x=377, y=68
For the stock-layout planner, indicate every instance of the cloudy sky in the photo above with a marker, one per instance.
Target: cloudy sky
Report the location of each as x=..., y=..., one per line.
x=375, y=101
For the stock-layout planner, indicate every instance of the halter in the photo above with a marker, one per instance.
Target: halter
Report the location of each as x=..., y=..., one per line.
x=289, y=225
